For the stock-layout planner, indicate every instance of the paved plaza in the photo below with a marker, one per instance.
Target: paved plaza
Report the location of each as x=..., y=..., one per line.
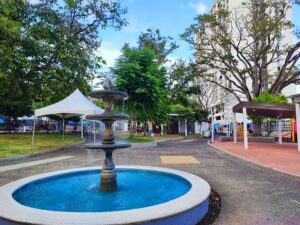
x=282, y=157
x=250, y=194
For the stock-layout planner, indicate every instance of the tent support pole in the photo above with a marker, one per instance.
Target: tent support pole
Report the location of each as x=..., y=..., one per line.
x=33, y=131
x=245, y=128
x=212, y=126
x=63, y=127
x=81, y=128
x=94, y=132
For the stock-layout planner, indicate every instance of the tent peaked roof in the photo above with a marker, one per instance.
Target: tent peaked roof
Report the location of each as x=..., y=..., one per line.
x=75, y=104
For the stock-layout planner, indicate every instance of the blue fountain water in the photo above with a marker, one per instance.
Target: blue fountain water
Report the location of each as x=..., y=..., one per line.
x=79, y=191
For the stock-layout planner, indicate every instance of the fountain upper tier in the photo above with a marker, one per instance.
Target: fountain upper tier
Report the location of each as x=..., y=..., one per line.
x=103, y=93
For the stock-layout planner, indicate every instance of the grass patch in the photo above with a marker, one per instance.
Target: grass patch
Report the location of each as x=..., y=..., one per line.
x=140, y=138
x=20, y=144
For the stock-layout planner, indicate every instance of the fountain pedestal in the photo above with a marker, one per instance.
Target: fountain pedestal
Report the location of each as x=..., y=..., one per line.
x=108, y=180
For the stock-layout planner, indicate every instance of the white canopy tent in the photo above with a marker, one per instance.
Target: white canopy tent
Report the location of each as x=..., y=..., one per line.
x=73, y=105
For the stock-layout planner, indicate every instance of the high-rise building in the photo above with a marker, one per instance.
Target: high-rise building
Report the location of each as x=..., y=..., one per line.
x=221, y=101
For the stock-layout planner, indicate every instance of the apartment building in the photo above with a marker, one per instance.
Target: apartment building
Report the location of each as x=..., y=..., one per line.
x=221, y=102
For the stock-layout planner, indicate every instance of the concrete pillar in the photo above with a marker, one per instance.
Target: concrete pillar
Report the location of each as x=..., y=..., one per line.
x=245, y=128
x=161, y=129
x=33, y=131
x=298, y=124
x=234, y=128
x=279, y=132
x=212, y=127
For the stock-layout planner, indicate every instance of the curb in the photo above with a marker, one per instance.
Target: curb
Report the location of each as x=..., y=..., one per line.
x=14, y=158
x=169, y=139
x=144, y=144
x=251, y=161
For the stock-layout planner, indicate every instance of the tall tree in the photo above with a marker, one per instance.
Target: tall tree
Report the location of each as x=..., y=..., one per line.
x=185, y=90
x=138, y=73
x=53, y=49
x=182, y=79
x=245, y=47
x=14, y=91
x=161, y=45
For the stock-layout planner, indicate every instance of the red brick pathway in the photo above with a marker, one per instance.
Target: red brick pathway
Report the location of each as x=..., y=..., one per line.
x=284, y=157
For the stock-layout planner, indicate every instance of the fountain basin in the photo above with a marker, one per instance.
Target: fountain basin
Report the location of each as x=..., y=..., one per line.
x=185, y=206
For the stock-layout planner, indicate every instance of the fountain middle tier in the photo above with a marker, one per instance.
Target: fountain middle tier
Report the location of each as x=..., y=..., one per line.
x=99, y=146
x=108, y=116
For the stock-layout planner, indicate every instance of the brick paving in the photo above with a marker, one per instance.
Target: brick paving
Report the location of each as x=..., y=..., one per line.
x=283, y=157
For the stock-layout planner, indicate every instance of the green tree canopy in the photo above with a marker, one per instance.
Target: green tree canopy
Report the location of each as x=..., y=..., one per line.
x=138, y=73
x=161, y=45
x=182, y=87
x=266, y=97
x=48, y=49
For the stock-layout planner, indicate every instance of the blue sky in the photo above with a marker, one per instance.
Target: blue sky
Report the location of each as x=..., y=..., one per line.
x=170, y=16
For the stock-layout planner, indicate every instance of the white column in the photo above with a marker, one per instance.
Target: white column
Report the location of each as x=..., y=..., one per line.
x=185, y=127
x=212, y=127
x=298, y=124
x=245, y=128
x=279, y=132
x=234, y=128
x=81, y=128
x=161, y=129
x=94, y=132
x=33, y=131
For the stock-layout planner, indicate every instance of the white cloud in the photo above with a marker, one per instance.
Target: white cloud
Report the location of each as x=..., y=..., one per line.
x=171, y=61
x=200, y=7
x=134, y=26
x=109, y=52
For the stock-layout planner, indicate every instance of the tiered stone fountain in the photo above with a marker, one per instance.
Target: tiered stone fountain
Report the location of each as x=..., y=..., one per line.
x=108, y=175
x=143, y=195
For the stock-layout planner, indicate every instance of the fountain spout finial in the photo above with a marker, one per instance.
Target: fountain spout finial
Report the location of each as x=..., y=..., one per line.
x=107, y=84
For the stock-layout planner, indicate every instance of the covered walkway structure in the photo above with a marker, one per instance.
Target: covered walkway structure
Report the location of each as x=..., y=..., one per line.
x=273, y=110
